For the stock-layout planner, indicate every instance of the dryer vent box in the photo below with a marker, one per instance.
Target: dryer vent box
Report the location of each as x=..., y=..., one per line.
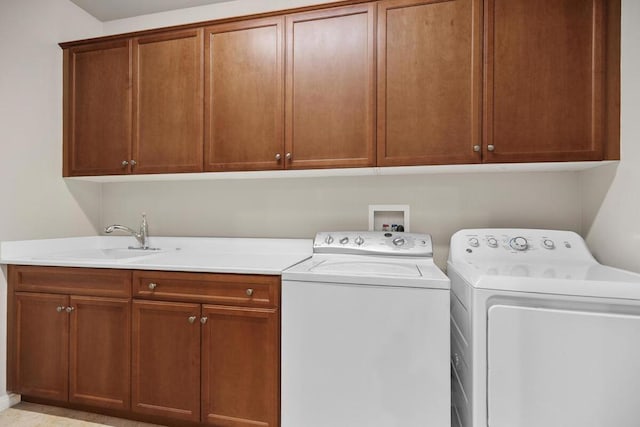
x=381, y=215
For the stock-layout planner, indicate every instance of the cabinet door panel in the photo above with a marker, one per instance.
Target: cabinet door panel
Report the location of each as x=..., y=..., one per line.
x=240, y=367
x=168, y=124
x=166, y=359
x=100, y=352
x=244, y=101
x=330, y=100
x=97, y=124
x=429, y=81
x=42, y=340
x=544, y=80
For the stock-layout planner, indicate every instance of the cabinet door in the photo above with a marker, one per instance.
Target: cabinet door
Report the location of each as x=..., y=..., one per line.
x=166, y=359
x=330, y=88
x=42, y=343
x=168, y=108
x=97, y=110
x=544, y=87
x=99, y=352
x=244, y=101
x=240, y=367
x=429, y=82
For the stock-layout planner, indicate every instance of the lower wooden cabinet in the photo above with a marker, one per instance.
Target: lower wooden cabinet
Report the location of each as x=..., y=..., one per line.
x=73, y=349
x=166, y=359
x=189, y=347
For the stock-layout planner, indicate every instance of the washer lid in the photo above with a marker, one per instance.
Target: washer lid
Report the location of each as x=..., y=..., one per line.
x=369, y=270
x=589, y=279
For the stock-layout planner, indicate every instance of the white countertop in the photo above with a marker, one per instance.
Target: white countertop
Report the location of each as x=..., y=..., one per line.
x=200, y=254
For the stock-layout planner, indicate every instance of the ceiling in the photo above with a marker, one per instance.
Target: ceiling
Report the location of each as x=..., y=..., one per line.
x=108, y=10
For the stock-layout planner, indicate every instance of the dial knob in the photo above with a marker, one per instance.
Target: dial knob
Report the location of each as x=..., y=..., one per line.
x=474, y=242
x=329, y=239
x=519, y=243
x=359, y=240
x=492, y=242
x=399, y=241
x=344, y=240
x=548, y=244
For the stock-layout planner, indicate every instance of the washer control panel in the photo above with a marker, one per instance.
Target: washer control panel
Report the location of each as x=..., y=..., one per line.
x=373, y=243
x=528, y=243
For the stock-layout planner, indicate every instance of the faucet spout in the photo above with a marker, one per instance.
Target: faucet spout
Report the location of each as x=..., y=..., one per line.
x=141, y=236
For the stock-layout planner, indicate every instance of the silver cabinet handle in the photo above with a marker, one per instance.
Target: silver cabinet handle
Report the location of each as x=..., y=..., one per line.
x=203, y=320
x=133, y=163
x=476, y=148
x=249, y=292
x=288, y=156
x=70, y=309
x=60, y=309
x=191, y=319
x=152, y=286
x=278, y=156
x=125, y=163
x=491, y=147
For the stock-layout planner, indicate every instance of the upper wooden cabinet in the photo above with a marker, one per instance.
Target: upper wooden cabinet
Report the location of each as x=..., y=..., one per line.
x=168, y=107
x=244, y=101
x=545, y=80
x=330, y=88
x=387, y=83
x=97, y=108
x=429, y=82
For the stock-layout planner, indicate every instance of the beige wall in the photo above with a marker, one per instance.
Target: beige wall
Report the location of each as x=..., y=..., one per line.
x=35, y=202
x=611, y=195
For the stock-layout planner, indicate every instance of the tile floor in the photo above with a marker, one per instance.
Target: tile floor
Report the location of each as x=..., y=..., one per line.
x=26, y=414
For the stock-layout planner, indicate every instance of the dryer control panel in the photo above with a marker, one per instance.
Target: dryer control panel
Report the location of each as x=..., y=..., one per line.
x=385, y=243
x=521, y=244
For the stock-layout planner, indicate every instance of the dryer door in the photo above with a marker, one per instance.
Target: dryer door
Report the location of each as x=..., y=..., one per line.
x=562, y=368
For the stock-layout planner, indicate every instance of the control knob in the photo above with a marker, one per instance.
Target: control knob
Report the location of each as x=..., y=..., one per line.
x=399, y=241
x=519, y=243
x=344, y=240
x=492, y=242
x=359, y=240
x=329, y=239
x=474, y=242
x=548, y=244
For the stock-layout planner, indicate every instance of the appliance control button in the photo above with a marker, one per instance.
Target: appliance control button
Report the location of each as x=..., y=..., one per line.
x=399, y=241
x=548, y=244
x=492, y=242
x=474, y=242
x=567, y=245
x=519, y=243
x=359, y=240
x=329, y=239
x=388, y=234
x=344, y=240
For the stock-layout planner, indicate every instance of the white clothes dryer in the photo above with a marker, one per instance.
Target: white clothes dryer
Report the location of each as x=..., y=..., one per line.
x=542, y=335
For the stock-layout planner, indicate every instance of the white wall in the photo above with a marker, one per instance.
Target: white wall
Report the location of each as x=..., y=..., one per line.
x=611, y=195
x=35, y=200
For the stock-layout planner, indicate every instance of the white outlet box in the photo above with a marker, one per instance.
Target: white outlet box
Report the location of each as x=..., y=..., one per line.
x=388, y=214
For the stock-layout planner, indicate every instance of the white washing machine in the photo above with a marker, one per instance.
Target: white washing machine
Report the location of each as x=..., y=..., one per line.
x=542, y=335
x=365, y=334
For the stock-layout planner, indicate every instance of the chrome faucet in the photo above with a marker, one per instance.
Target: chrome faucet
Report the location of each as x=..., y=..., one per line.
x=142, y=236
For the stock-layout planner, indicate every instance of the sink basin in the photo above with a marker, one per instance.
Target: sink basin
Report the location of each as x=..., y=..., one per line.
x=111, y=254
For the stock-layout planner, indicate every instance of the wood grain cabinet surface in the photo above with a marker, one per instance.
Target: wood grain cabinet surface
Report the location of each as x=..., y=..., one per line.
x=168, y=102
x=330, y=88
x=189, y=349
x=353, y=84
x=244, y=101
x=546, y=79
x=97, y=108
x=65, y=347
x=429, y=82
